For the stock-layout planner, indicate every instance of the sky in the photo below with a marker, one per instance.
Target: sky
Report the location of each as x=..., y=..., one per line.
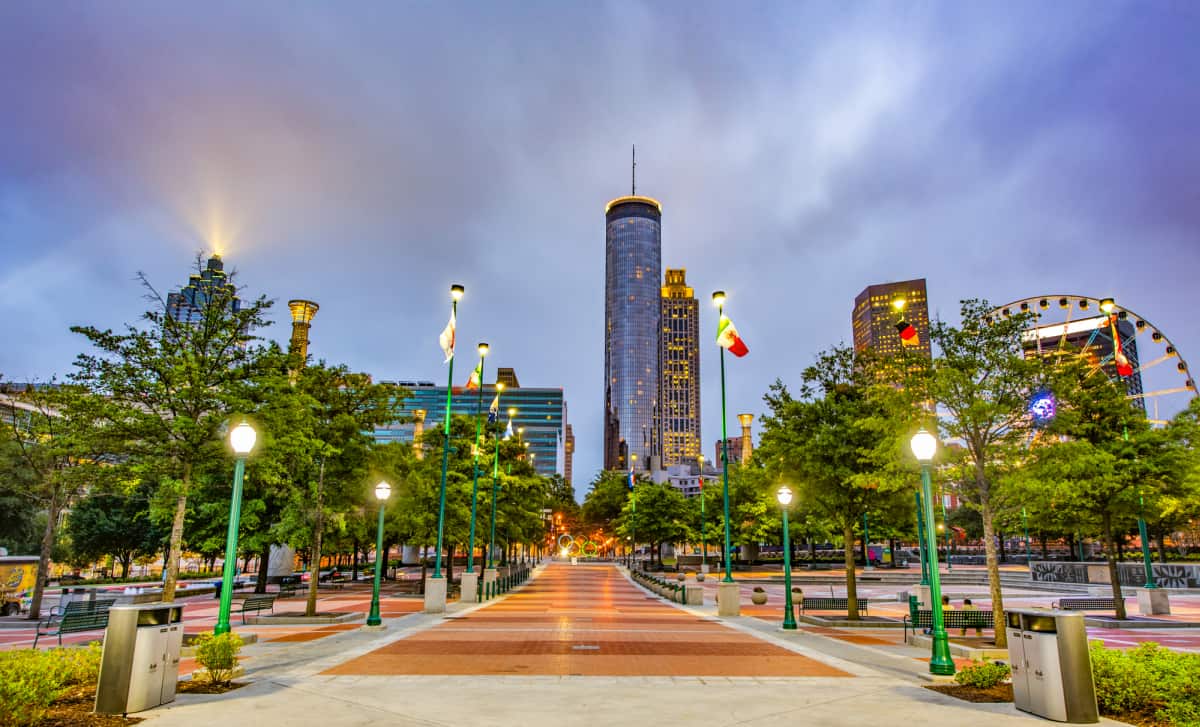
x=368, y=155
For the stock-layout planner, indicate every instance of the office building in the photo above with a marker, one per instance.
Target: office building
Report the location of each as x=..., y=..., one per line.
x=540, y=419
x=880, y=309
x=211, y=283
x=569, y=455
x=632, y=314
x=679, y=363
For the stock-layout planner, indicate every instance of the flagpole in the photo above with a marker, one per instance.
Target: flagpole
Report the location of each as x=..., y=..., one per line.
x=495, y=482
x=456, y=292
x=483, y=350
x=719, y=297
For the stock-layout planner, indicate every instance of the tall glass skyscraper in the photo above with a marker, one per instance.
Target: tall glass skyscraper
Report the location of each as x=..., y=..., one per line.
x=632, y=271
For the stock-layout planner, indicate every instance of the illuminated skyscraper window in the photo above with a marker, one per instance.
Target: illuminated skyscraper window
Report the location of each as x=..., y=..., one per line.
x=679, y=359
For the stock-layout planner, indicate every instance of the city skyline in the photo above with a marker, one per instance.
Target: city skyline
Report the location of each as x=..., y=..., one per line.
x=801, y=153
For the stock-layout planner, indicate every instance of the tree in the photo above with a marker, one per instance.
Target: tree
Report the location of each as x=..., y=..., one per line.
x=982, y=379
x=170, y=386
x=113, y=524
x=50, y=452
x=1103, y=460
x=836, y=445
x=657, y=514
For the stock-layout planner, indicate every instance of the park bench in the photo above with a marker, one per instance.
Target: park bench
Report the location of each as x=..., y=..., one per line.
x=831, y=604
x=965, y=619
x=288, y=586
x=337, y=582
x=257, y=603
x=76, y=617
x=239, y=584
x=1085, y=604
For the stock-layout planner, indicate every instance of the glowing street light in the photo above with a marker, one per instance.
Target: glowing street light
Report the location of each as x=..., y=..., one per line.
x=924, y=446
x=382, y=491
x=784, y=496
x=241, y=439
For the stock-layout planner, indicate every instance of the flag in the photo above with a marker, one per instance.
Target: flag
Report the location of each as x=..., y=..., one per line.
x=508, y=430
x=728, y=338
x=1124, y=368
x=908, y=334
x=447, y=339
x=631, y=479
x=476, y=377
x=494, y=410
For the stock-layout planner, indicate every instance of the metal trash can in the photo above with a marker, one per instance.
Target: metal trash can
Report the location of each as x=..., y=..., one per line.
x=140, y=663
x=1051, y=667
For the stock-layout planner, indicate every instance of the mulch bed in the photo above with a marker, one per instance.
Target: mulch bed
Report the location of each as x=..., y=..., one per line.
x=74, y=709
x=206, y=687
x=998, y=693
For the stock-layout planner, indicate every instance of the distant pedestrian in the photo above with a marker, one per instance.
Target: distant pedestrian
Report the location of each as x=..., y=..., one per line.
x=968, y=606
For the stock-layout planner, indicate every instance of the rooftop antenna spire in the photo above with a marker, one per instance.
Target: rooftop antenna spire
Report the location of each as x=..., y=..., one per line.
x=633, y=191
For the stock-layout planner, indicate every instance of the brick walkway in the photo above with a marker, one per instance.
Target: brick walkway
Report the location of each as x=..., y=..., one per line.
x=586, y=621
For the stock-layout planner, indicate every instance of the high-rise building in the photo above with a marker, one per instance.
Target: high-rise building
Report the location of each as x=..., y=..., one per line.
x=187, y=306
x=540, y=420
x=508, y=377
x=569, y=455
x=879, y=309
x=679, y=363
x=633, y=269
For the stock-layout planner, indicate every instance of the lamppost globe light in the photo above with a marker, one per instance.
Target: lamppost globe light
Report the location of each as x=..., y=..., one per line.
x=483, y=350
x=924, y=445
x=899, y=304
x=242, y=438
x=784, y=495
x=1107, y=305
x=456, y=292
x=499, y=386
x=383, y=491
x=512, y=412
x=718, y=298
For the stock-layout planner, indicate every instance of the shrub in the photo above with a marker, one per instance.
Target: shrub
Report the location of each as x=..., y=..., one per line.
x=983, y=674
x=1147, y=680
x=31, y=680
x=218, y=655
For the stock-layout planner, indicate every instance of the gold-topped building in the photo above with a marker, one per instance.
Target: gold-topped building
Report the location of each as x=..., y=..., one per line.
x=679, y=365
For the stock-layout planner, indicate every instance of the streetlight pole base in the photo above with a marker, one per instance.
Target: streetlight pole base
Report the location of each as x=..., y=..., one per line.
x=435, y=595
x=729, y=599
x=704, y=568
x=373, y=627
x=1153, y=602
x=470, y=586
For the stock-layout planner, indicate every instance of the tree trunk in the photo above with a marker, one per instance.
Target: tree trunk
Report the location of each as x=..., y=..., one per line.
x=1113, y=574
x=43, y=569
x=125, y=563
x=354, y=570
x=310, y=607
x=174, y=546
x=1045, y=548
x=851, y=583
x=264, y=564
x=993, y=566
x=450, y=563
x=1003, y=554
x=1160, y=541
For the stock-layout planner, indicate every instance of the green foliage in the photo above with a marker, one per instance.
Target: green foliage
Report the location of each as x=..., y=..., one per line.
x=30, y=680
x=218, y=655
x=983, y=674
x=1148, y=680
x=115, y=524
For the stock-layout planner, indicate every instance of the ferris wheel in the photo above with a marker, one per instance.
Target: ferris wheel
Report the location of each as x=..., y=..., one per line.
x=1113, y=339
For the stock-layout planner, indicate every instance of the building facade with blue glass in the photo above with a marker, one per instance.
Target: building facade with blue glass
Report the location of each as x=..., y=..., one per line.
x=633, y=271
x=540, y=419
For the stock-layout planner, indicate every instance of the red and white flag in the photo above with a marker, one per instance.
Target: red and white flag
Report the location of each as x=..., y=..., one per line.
x=728, y=338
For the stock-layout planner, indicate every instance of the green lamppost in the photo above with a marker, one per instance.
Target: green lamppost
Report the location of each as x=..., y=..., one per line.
x=382, y=491
x=924, y=445
x=456, y=294
x=784, y=495
x=496, y=481
x=921, y=541
x=718, y=298
x=946, y=528
x=242, y=440
x=703, y=523
x=1025, y=524
x=483, y=352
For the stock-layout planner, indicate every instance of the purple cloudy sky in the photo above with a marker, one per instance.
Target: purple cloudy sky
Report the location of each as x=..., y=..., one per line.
x=368, y=155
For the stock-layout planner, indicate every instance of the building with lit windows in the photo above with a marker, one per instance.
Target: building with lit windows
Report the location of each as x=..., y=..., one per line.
x=569, y=456
x=1090, y=338
x=679, y=364
x=879, y=308
x=632, y=314
x=540, y=420
x=187, y=306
